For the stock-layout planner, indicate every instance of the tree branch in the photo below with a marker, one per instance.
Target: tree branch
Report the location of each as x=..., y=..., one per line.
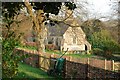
x=63, y=22
x=29, y=9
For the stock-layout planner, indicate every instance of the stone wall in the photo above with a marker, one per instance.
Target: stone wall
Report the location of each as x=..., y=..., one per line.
x=74, y=39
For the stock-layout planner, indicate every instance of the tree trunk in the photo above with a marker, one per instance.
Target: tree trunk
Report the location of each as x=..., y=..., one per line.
x=108, y=53
x=39, y=27
x=40, y=38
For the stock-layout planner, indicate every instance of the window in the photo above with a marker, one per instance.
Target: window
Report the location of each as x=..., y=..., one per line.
x=74, y=40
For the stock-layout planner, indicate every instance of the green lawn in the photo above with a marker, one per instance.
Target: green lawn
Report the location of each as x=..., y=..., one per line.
x=27, y=47
x=81, y=55
x=51, y=51
x=115, y=57
x=26, y=71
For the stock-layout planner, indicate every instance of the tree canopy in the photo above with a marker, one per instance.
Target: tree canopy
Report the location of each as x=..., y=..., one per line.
x=104, y=41
x=91, y=26
x=10, y=9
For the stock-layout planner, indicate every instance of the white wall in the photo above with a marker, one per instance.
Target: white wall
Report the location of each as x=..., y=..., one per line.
x=74, y=47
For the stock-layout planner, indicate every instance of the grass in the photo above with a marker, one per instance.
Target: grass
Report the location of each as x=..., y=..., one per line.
x=26, y=71
x=115, y=57
x=81, y=55
x=58, y=52
x=74, y=55
x=27, y=47
x=51, y=51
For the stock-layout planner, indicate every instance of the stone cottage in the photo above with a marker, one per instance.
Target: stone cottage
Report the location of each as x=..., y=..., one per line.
x=64, y=36
x=68, y=34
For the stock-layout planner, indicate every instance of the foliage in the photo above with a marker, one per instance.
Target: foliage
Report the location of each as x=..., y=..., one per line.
x=70, y=5
x=104, y=41
x=9, y=41
x=9, y=59
x=28, y=47
x=52, y=7
x=98, y=51
x=10, y=9
x=91, y=26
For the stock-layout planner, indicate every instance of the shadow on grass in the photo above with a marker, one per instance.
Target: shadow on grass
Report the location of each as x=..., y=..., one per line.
x=22, y=75
x=27, y=72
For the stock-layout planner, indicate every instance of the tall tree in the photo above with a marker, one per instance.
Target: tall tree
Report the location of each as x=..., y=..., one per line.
x=10, y=9
x=104, y=41
x=38, y=20
x=9, y=41
x=91, y=26
x=37, y=17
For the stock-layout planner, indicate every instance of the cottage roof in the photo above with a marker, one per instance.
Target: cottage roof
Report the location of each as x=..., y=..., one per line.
x=58, y=29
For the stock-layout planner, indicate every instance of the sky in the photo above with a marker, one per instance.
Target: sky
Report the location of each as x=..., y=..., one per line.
x=97, y=8
x=101, y=8
x=101, y=5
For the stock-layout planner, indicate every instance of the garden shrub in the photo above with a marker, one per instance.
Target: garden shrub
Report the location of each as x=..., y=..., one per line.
x=108, y=54
x=102, y=42
x=98, y=51
x=90, y=52
x=10, y=58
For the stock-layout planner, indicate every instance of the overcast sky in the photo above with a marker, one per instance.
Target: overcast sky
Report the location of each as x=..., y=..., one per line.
x=101, y=8
x=96, y=9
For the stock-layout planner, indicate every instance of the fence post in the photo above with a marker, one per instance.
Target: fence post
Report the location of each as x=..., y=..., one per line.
x=69, y=58
x=34, y=51
x=105, y=68
x=105, y=64
x=113, y=68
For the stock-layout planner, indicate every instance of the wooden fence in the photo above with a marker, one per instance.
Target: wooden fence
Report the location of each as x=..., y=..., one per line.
x=75, y=67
